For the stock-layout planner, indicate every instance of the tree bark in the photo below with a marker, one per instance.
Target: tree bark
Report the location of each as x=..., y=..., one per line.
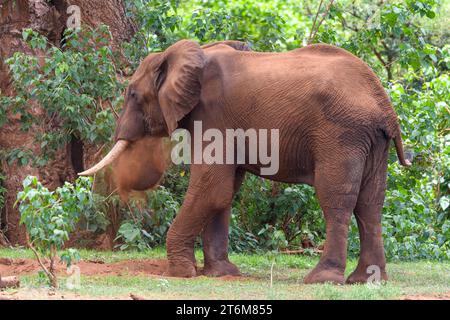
x=49, y=19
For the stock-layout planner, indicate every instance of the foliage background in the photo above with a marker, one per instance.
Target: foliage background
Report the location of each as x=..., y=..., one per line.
x=405, y=42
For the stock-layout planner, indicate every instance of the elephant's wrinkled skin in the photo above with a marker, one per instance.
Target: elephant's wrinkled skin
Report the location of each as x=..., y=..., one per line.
x=335, y=123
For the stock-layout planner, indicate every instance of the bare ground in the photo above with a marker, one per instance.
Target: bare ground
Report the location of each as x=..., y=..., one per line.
x=18, y=267
x=150, y=267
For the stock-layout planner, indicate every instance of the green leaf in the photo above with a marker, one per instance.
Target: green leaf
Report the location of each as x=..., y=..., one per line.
x=444, y=202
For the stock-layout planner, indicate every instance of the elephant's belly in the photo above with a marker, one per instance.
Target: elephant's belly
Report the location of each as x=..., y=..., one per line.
x=287, y=175
x=291, y=162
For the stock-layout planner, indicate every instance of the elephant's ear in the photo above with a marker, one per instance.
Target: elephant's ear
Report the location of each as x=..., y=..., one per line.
x=178, y=81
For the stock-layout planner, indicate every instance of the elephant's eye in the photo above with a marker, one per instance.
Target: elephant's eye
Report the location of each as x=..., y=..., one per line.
x=134, y=97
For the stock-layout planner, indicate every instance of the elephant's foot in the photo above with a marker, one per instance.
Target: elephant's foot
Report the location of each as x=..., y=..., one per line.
x=220, y=268
x=361, y=275
x=322, y=275
x=182, y=269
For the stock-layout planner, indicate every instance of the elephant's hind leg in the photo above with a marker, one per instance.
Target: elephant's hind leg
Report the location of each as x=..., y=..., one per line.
x=210, y=191
x=368, y=211
x=337, y=188
x=372, y=261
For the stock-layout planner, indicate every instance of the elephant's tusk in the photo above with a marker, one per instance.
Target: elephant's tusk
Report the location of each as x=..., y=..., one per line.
x=118, y=148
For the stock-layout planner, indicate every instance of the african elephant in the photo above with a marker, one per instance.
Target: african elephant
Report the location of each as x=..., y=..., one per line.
x=335, y=123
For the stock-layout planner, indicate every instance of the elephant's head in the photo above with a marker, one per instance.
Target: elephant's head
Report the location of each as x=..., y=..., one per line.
x=164, y=89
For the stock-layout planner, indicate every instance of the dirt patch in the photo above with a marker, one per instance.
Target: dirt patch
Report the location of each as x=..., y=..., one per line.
x=442, y=296
x=17, y=267
x=151, y=267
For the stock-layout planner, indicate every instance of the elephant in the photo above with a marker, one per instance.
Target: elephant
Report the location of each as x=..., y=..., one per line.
x=334, y=120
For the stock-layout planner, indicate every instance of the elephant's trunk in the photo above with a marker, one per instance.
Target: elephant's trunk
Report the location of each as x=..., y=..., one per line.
x=118, y=148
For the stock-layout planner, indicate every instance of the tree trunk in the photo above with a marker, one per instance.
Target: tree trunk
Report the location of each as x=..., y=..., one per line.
x=48, y=18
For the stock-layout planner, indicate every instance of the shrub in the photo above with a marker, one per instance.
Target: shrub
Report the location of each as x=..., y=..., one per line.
x=143, y=228
x=50, y=216
x=77, y=86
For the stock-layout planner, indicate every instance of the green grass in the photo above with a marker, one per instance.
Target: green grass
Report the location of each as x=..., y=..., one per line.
x=406, y=278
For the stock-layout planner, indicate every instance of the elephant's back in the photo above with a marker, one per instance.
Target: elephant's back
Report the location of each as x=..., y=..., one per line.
x=312, y=86
x=302, y=80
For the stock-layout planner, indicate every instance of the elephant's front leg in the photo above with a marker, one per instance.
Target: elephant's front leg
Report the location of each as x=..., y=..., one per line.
x=215, y=239
x=209, y=194
x=215, y=246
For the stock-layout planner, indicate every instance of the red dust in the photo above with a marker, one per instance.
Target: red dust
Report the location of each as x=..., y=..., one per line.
x=141, y=166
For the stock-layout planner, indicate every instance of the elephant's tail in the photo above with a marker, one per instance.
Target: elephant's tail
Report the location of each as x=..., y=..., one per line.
x=390, y=124
x=400, y=153
x=392, y=130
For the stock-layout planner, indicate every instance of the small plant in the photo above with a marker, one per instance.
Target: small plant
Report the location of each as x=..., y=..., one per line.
x=144, y=228
x=50, y=216
x=133, y=235
x=163, y=284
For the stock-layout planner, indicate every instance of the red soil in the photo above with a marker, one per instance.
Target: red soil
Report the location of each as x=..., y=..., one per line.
x=17, y=267
x=155, y=267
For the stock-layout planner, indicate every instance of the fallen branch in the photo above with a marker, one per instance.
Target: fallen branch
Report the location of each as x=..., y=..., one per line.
x=135, y=297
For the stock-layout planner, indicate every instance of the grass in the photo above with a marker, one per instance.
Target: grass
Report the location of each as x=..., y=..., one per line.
x=406, y=278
